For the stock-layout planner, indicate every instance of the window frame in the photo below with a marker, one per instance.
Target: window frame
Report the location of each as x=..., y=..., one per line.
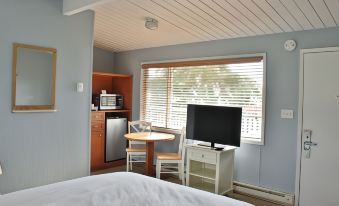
x=174, y=131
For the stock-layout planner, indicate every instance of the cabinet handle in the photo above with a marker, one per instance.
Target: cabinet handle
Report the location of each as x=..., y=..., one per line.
x=100, y=135
x=202, y=155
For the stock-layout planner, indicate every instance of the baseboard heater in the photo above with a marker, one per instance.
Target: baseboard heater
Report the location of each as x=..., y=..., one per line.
x=263, y=193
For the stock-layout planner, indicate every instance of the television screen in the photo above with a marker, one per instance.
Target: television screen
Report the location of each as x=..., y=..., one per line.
x=214, y=124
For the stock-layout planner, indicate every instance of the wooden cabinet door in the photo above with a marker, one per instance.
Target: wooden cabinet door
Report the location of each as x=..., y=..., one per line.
x=97, y=140
x=97, y=150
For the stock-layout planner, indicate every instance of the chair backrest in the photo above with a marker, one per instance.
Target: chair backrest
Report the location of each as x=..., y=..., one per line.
x=138, y=126
x=182, y=142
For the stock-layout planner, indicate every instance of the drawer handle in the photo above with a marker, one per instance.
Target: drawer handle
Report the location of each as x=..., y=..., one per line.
x=100, y=135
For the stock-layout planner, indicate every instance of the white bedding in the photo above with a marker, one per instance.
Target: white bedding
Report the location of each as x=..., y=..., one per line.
x=115, y=189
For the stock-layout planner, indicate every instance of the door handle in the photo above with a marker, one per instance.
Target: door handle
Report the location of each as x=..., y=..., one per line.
x=309, y=144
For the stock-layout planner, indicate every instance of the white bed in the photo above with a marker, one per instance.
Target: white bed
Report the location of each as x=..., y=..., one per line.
x=115, y=189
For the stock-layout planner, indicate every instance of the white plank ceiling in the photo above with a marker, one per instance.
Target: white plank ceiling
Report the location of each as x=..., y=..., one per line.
x=119, y=25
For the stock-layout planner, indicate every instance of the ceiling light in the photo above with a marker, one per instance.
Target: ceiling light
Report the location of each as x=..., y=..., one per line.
x=151, y=24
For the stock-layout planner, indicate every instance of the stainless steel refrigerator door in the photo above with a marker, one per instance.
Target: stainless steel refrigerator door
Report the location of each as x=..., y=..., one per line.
x=115, y=140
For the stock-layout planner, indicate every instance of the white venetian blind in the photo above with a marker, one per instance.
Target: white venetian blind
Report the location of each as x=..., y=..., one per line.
x=169, y=87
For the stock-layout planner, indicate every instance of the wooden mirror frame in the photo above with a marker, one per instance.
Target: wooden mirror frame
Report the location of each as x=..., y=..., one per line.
x=33, y=108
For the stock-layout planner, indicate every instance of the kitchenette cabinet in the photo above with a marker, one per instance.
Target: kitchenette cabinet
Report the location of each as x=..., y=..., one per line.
x=113, y=84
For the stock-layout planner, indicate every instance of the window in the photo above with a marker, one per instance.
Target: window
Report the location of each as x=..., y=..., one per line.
x=167, y=88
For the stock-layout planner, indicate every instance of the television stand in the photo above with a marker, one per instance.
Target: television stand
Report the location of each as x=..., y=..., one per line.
x=210, y=170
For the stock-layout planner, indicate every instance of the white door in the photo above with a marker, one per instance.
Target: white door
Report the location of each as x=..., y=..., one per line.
x=319, y=169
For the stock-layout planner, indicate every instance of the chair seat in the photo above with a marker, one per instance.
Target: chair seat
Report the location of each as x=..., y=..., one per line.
x=168, y=156
x=131, y=150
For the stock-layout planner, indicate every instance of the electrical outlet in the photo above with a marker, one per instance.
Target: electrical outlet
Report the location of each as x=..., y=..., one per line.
x=286, y=114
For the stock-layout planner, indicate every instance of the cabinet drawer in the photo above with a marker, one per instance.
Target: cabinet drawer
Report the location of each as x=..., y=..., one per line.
x=97, y=134
x=203, y=156
x=98, y=126
x=98, y=116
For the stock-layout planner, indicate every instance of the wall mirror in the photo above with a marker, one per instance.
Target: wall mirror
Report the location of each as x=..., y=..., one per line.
x=34, y=70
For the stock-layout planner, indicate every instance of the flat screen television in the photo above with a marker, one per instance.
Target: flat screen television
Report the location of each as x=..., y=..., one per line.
x=214, y=124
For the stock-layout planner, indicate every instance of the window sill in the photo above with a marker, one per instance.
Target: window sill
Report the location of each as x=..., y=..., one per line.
x=166, y=130
x=252, y=141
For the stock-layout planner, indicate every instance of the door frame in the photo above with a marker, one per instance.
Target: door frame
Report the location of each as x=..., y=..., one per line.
x=300, y=114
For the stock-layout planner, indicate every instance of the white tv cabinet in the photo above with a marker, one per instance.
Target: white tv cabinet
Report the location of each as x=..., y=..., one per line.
x=210, y=170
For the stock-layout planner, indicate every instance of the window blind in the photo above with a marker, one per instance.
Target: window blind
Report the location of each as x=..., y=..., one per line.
x=167, y=88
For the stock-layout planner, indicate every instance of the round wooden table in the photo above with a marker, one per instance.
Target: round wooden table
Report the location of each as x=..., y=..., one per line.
x=149, y=138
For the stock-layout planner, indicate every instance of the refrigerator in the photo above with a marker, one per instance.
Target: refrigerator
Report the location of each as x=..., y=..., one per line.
x=115, y=143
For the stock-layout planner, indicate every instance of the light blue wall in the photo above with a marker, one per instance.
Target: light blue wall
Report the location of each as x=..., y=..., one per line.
x=272, y=165
x=41, y=148
x=103, y=60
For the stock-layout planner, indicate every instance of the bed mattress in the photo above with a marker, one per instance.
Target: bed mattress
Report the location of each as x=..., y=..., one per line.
x=116, y=189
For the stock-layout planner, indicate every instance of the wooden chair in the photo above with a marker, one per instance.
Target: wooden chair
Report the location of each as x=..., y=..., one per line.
x=136, y=151
x=173, y=158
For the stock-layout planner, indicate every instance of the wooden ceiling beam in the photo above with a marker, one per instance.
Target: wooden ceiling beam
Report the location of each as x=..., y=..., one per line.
x=71, y=7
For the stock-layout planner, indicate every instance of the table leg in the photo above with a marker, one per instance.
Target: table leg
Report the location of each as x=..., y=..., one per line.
x=149, y=158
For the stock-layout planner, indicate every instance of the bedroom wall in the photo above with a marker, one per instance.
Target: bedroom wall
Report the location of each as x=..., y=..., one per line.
x=41, y=148
x=272, y=165
x=103, y=60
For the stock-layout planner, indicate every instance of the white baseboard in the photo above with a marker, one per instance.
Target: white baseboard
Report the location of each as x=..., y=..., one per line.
x=263, y=193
